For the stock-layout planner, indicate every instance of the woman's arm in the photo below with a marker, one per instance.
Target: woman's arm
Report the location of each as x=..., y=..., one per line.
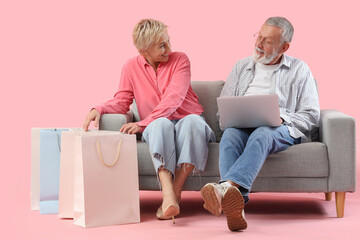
x=120, y=103
x=174, y=94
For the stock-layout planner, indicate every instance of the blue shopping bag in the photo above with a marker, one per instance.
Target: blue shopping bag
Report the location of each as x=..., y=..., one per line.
x=50, y=150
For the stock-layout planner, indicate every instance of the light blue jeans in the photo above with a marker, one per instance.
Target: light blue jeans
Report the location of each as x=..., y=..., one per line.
x=173, y=142
x=244, y=151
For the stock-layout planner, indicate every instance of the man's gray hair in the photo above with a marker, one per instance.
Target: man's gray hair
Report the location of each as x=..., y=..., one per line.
x=286, y=27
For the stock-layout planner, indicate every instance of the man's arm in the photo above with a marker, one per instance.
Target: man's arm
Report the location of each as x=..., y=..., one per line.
x=230, y=85
x=307, y=113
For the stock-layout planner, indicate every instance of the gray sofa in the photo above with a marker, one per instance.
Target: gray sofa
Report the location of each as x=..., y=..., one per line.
x=327, y=164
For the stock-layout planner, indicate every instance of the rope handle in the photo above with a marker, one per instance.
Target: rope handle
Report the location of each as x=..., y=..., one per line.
x=117, y=154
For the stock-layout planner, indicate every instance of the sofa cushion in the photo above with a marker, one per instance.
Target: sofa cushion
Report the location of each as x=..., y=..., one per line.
x=145, y=164
x=208, y=91
x=302, y=160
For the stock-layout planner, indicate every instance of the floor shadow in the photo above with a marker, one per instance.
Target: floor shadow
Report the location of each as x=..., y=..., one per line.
x=148, y=208
x=189, y=206
x=288, y=208
x=267, y=207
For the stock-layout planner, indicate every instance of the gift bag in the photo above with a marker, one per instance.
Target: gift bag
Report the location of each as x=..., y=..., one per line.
x=67, y=160
x=106, y=188
x=45, y=153
x=35, y=169
x=66, y=181
x=50, y=149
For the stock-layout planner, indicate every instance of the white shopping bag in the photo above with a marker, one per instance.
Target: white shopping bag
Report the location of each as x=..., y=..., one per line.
x=45, y=145
x=66, y=184
x=106, y=187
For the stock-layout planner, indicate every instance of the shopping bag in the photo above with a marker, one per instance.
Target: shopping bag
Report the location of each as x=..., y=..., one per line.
x=66, y=181
x=35, y=169
x=67, y=159
x=106, y=187
x=36, y=145
x=50, y=149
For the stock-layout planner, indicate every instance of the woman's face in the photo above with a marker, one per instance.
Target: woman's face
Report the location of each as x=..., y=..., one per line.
x=158, y=52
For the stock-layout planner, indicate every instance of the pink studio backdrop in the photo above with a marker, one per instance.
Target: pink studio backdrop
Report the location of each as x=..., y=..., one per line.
x=60, y=58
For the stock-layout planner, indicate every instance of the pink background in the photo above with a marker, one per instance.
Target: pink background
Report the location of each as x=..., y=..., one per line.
x=60, y=58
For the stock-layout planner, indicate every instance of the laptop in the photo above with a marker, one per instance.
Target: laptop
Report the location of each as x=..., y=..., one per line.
x=248, y=111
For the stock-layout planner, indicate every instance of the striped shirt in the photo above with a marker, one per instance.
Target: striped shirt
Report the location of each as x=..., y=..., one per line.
x=295, y=86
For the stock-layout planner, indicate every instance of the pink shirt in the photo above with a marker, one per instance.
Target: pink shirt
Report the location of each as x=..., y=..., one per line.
x=165, y=94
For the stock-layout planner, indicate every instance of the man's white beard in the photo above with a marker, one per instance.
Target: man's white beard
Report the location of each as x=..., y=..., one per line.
x=264, y=59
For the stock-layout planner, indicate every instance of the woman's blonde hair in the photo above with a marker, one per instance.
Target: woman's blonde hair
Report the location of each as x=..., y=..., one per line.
x=146, y=32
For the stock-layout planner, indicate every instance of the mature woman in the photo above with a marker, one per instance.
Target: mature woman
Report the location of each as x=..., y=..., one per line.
x=171, y=116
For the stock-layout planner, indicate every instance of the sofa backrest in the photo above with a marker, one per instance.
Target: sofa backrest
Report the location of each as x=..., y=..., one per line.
x=208, y=91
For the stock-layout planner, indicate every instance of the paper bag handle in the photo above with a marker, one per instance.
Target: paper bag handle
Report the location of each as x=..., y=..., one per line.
x=117, y=154
x=58, y=141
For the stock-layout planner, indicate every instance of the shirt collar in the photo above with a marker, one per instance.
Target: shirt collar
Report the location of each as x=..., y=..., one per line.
x=145, y=63
x=143, y=60
x=285, y=61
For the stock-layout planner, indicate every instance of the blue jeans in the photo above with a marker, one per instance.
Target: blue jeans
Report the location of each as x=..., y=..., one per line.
x=173, y=142
x=244, y=151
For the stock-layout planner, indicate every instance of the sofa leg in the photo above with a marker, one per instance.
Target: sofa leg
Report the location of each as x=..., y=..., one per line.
x=340, y=203
x=328, y=196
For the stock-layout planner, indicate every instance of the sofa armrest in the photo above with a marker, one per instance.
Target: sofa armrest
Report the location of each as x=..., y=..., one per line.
x=113, y=122
x=337, y=131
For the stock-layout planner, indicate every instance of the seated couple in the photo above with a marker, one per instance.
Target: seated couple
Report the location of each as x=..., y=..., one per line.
x=177, y=134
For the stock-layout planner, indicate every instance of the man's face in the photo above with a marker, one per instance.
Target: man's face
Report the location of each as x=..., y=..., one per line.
x=268, y=45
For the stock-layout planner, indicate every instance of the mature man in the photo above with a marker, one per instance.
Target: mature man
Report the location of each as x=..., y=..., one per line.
x=243, y=151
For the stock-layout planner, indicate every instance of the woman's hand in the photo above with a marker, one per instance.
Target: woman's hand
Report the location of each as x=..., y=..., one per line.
x=130, y=128
x=93, y=115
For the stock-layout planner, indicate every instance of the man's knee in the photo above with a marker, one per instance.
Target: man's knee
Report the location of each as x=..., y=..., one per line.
x=235, y=134
x=232, y=137
x=263, y=133
x=230, y=132
x=264, y=130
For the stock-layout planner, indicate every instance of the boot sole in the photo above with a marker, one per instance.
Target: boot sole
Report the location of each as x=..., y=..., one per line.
x=233, y=205
x=211, y=202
